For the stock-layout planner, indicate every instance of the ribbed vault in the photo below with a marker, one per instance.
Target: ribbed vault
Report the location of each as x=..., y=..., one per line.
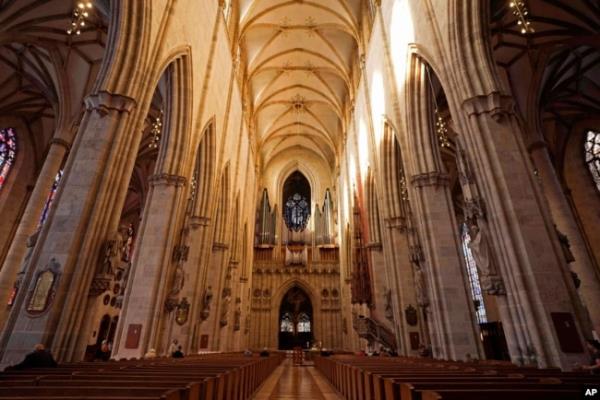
x=299, y=58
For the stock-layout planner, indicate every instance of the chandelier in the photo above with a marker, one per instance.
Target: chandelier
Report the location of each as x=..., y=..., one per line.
x=155, y=130
x=441, y=128
x=520, y=11
x=80, y=13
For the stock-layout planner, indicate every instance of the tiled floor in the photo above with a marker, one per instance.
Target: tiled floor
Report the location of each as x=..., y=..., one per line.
x=289, y=382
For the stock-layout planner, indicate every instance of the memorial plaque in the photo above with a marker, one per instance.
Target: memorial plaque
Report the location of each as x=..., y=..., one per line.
x=203, y=341
x=134, y=332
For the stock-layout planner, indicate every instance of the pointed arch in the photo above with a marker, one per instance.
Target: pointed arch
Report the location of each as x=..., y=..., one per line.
x=222, y=207
x=204, y=166
x=373, y=210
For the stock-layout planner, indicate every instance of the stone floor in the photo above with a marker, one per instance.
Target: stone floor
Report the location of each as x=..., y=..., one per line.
x=302, y=382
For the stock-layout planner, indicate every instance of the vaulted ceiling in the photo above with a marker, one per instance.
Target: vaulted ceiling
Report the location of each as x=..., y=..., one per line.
x=299, y=71
x=554, y=72
x=39, y=60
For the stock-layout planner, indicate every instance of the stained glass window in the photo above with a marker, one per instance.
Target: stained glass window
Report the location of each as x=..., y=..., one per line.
x=50, y=198
x=296, y=212
x=592, y=155
x=303, y=323
x=476, y=295
x=8, y=151
x=286, y=323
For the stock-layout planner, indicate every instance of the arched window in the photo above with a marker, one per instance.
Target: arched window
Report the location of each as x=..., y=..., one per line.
x=8, y=151
x=473, y=275
x=303, y=323
x=592, y=155
x=296, y=212
x=50, y=198
x=296, y=206
x=286, y=323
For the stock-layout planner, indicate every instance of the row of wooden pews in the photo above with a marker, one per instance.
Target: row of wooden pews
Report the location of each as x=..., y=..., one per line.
x=207, y=377
x=379, y=378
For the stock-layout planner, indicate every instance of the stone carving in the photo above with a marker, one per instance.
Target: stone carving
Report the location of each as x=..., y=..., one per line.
x=491, y=282
x=565, y=246
x=112, y=254
x=206, y=300
x=178, y=281
x=225, y=306
x=183, y=310
x=410, y=313
x=389, y=312
x=110, y=261
x=237, y=318
x=420, y=292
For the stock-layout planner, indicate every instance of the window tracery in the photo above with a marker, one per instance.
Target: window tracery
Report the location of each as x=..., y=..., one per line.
x=296, y=212
x=8, y=152
x=286, y=323
x=592, y=155
x=303, y=323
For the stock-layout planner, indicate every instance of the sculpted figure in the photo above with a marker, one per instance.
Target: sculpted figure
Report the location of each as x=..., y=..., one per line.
x=208, y=295
x=489, y=279
x=420, y=286
x=389, y=312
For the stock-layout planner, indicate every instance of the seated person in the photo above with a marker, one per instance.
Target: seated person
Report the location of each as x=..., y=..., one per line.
x=177, y=353
x=38, y=358
x=594, y=349
x=264, y=352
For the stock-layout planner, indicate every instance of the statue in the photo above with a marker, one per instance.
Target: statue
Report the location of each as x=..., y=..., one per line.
x=565, y=245
x=237, y=318
x=178, y=281
x=225, y=306
x=490, y=281
x=421, y=295
x=112, y=254
x=389, y=312
x=208, y=295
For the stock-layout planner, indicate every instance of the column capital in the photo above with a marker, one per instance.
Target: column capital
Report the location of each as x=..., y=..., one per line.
x=61, y=142
x=167, y=180
x=430, y=179
x=103, y=102
x=496, y=104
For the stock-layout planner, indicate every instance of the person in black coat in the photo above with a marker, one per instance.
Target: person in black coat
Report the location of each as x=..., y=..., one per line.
x=38, y=358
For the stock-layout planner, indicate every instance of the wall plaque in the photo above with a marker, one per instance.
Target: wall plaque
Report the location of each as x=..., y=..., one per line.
x=134, y=332
x=45, y=288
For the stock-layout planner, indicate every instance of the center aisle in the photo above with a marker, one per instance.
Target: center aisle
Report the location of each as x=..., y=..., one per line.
x=290, y=382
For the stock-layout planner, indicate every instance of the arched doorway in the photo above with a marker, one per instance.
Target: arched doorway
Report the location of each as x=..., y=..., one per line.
x=295, y=320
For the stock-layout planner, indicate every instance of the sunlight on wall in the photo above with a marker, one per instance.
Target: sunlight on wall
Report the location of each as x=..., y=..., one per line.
x=363, y=148
x=401, y=34
x=377, y=104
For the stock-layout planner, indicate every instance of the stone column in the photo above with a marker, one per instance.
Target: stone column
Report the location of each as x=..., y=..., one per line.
x=538, y=283
x=73, y=232
x=30, y=219
x=150, y=280
x=565, y=221
x=449, y=302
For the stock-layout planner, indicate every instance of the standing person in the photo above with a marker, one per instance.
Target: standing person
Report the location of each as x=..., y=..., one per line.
x=103, y=352
x=38, y=358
